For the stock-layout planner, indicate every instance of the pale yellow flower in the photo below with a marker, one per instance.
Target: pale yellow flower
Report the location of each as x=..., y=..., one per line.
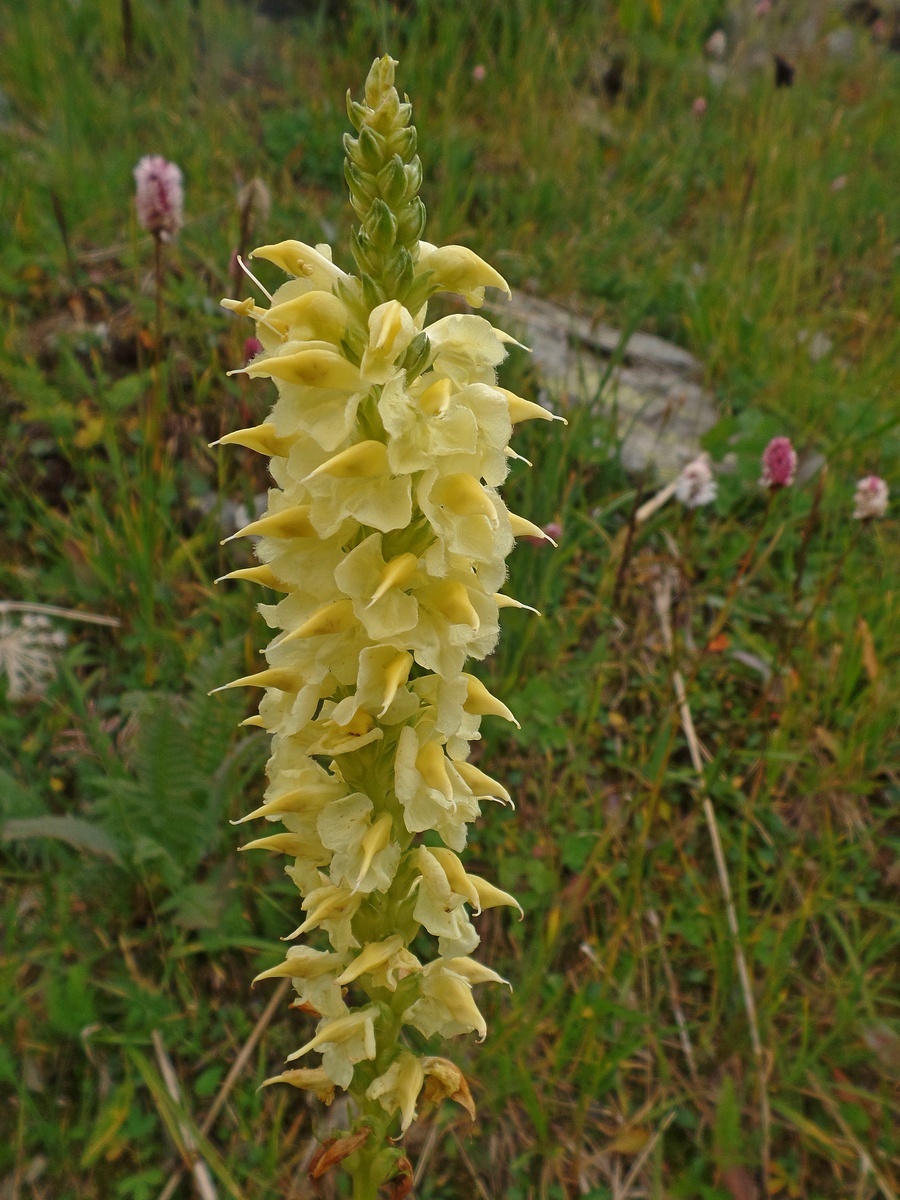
x=399, y=1087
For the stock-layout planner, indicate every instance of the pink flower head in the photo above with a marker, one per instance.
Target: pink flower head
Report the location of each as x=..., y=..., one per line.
x=716, y=44
x=695, y=485
x=159, y=196
x=870, y=499
x=762, y=7
x=252, y=347
x=479, y=72
x=698, y=108
x=779, y=463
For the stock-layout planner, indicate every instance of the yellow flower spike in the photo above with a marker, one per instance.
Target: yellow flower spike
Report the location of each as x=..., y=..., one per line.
x=521, y=409
x=317, y=368
x=456, y=876
x=364, y=460
x=396, y=572
x=396, y=674
x=263, y=575
x=334, y=617
x=310, y=1079
x=373, y=842
x=293, y=844
x=432, y=766
x=289, y=523
x=375, y=955
x=387, y=537
x=508, y=602
x=451, y=599
x=458, y=269
x=480, y=703
x=302, y=261
x=314, y=316
x=282, y=678
x=523, y=528
x=482, y=785
x=435, y=400
x=261, y=438
x=465, y=496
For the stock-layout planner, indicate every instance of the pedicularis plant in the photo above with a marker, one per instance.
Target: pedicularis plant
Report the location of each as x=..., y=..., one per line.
x=387, y=537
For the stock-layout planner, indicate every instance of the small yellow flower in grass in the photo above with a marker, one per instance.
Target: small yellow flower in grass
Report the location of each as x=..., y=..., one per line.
x=385, y=540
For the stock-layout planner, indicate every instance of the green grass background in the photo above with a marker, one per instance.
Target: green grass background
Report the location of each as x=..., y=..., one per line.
x=726, y=233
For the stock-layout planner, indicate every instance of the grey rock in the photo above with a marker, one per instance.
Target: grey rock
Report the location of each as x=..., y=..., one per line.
x=819, y=346
x=654, y=394
x=841, y=43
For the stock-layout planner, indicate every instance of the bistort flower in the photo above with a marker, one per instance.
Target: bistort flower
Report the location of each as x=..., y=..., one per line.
x=870, y=499
x=159, y=196
x=384, y=537
x=779, y=463
x=695, y=485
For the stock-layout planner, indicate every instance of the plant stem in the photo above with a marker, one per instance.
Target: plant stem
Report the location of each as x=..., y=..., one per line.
x=687, y=724
x=154, y=421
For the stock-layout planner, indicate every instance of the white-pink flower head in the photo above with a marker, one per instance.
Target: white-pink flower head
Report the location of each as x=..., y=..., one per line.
x=870, y=499
x=159, y=197
x=779, y=463
x=695, y=485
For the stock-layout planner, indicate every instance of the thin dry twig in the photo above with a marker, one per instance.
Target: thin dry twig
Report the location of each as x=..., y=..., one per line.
x=228, y=1083
x=638, y=1166
x=649, y=507
x=426, y=1153
x=470, y=1166
x=865, y=1159
x=674, y=997
x=51, y=610
x=202, y=1177
x=663, y=599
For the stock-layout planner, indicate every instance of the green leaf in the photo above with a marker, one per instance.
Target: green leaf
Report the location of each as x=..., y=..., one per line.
x=197, y=905
x=82, y=835
x=70, y=998
x=110, y=1119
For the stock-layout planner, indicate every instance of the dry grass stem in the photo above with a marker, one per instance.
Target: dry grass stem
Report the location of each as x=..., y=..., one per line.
x=51, y=610
x=867, y=1166
x=202, y=1177
x=674, y=997
x=640, y=1161
x=663, y=600
x=229, y=1081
